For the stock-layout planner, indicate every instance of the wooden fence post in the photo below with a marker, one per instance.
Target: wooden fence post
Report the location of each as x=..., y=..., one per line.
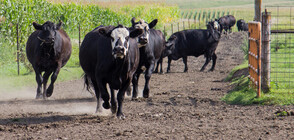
x=257, y=16
x=265, y=51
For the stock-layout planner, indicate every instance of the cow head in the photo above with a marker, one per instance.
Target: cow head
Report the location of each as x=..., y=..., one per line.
x=170, y=45
x=120, y=39
x=213, y=29
x=48, y=32
x=144, y=38
x=214, y=24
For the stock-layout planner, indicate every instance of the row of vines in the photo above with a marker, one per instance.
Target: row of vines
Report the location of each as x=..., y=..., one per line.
x=202, y=15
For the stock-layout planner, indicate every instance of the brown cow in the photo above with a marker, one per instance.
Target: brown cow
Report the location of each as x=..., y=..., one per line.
x=48, y=49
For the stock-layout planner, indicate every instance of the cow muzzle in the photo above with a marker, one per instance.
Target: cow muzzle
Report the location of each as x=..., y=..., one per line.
x=48, y=41
x=119, y=52
x=143, y=40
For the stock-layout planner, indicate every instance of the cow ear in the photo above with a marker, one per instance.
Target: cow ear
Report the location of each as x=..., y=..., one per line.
x=103, y=31
x=133, y=21
x=58, y=26
x=136, y=33
x=152, y=23
x=37, y=26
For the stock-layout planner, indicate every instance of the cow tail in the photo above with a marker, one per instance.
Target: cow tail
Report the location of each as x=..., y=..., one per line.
x=88, y=84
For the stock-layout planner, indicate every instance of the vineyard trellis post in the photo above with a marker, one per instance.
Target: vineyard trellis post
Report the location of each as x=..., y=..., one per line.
x=265, y=52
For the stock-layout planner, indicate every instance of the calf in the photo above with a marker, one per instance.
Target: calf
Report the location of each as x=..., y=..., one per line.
x=226, y=22
x=48, y=50
x=151, y=44
x=110, y=55
x=242, y=25
x=194, y=43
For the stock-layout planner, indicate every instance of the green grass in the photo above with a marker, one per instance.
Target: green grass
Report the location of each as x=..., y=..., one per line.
x=242, y=94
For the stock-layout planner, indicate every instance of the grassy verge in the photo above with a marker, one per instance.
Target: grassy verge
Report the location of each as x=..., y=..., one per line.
x=242, y=94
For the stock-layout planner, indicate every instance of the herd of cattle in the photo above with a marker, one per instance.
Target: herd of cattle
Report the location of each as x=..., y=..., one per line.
x=117, y=55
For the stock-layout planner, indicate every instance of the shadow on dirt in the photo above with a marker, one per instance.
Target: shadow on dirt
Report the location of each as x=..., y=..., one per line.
x=35, y=120
x=53, y=101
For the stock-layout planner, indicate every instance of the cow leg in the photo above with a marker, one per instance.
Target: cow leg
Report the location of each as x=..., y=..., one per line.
x=113, y=101
x=129, y=91
x=135, y=81
x=148, y=73
x=213, y=61
x=53, y=79
x=45, y=80
x=39, y=80
x=120, y=99
x=168, y=65
x=208, y=58
x=185, y=62
x=160, y=62
x=98, y=96
x=156, y=68
x=104, y=94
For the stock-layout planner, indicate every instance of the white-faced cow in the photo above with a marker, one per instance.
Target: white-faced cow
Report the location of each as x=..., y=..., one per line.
x=110, y=55
x=194, y=42
x=48, y=50
x=151, y=43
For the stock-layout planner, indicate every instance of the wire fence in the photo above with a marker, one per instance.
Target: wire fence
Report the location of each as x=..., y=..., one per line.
x=282, y=49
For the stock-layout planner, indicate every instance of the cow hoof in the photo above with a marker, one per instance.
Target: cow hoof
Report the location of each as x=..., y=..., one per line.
x=39, y=97
x=134, y=98
x=106, y=105
x=211, y=70
x=146, y=95
x=49, y=91
x=121, y=116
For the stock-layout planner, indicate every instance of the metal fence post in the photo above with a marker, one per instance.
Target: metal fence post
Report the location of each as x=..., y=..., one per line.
x=17, y=44
x=79, y=35
x=172, y=30
x=265, y=51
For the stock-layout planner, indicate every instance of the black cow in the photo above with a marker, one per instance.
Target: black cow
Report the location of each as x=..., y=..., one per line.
x=227, y=22
x=48, y=50
x=151, y=43
x=242, y=25
x=194, y=42
x=110, y=55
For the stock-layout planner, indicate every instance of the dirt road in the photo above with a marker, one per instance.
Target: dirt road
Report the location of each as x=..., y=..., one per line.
x=181, y=106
